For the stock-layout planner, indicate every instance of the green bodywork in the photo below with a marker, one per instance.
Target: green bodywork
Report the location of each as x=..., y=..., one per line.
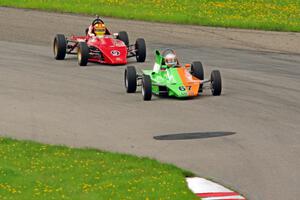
x=168, y=81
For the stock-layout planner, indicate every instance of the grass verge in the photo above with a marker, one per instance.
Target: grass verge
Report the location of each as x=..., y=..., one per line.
x=29, y=170
x=278, y=15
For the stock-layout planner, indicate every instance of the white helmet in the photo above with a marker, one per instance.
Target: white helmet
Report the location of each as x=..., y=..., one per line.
x=170, y=57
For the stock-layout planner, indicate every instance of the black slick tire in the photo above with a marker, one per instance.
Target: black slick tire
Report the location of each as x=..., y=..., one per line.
x=130, y=79
x=83, y=54
x=198, y=72
x=140, y=46
x=123, y=36
x=216, y=83
x=146, y=88
x=59, y=47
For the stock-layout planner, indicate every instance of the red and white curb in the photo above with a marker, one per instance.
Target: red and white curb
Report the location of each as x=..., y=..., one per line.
x=209, y=190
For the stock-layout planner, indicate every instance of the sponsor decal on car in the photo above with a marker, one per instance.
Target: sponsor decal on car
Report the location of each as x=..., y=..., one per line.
x=181, y=88
x=115, y=52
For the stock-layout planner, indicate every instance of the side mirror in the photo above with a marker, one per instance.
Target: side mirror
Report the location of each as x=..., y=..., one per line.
x=187, y=65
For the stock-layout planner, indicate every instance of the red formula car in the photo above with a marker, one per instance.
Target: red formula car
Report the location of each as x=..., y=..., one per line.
x=113, y=49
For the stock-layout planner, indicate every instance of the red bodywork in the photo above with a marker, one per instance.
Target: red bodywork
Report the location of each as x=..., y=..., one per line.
x=106, y=50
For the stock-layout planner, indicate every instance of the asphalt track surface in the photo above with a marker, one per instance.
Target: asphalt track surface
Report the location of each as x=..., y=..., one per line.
x=247, y=139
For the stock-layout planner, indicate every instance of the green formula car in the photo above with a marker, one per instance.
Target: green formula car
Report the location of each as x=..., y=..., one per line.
x=169, y=78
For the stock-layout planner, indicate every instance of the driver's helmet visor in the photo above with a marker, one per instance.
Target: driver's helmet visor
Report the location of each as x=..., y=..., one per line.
x=99, y=30
x=171, y=61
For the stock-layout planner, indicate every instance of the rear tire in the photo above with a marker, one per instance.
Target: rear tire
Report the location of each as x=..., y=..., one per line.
x=198, y=72
x=146, y=88
x=83, y=54
x=130, y=79
x=216, y=83
x=140, y=46
x=123, y=36
x=59, y=47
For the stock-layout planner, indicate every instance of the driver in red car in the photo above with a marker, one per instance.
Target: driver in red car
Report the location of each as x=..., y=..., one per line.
x=97, y=29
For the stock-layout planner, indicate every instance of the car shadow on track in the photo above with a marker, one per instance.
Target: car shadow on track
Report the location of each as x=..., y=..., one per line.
x=194, y=135
x=93, y=64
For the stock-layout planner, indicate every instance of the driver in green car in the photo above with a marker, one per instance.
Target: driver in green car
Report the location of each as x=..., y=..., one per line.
x=170, y=59
x=166, y=59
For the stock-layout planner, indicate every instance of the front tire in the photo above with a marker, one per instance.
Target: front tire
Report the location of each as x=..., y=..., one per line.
x=83, y=54
x=123, y=36
x=146, y=88
x=59, y=47
x=140, y=46
x=216, y=83
x=130, y=79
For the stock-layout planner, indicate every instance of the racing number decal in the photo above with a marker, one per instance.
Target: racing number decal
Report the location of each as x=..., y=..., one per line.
x=115, y=52
x=183, y=88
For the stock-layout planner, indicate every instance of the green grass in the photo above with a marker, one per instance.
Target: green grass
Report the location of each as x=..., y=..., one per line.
x=279, y=15
x=30, y=170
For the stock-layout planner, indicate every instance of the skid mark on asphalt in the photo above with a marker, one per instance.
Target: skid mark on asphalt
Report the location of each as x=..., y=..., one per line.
x=191, y=136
